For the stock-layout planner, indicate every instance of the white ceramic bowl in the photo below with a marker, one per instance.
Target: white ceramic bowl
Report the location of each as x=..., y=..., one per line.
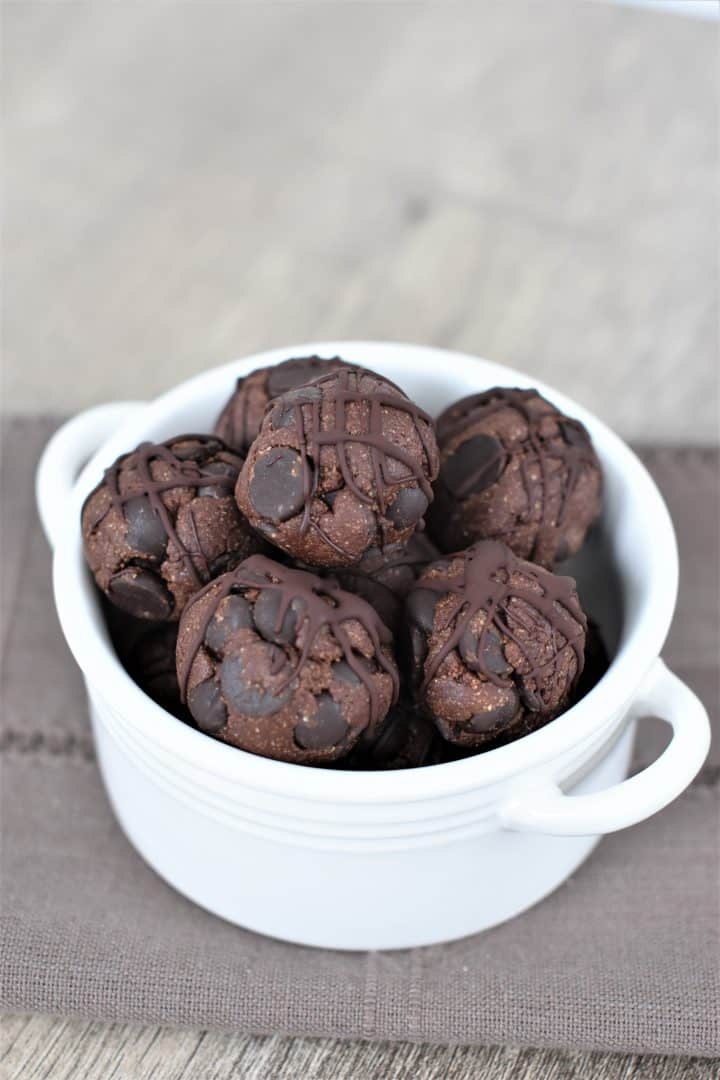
x=395, y=859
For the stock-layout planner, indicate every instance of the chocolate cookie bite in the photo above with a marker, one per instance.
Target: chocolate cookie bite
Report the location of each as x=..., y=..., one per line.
x=514, y=468
x=163, y=522
x=240, y=420
x=340, y=466
x=497, y=644
x=285, y=664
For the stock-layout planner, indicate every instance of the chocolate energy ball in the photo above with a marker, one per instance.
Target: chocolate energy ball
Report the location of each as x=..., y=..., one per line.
x=240, y=420
x=405, y=741
x=340, y=466
x=514, y=468
x=163, y=522
x=385, y=577
x=285, y=664
x=497, y=644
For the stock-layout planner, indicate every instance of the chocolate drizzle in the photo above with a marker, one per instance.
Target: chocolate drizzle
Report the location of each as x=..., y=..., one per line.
x=574, y=448
x=185, y=472
x=486, y=585
x=340, y=389
x=318, y=603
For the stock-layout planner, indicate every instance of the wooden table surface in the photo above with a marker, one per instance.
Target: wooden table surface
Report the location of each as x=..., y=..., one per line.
x=42, y=1048
x=188, y=182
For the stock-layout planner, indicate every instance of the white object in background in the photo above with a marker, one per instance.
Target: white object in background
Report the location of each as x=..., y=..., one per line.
x=394, y=859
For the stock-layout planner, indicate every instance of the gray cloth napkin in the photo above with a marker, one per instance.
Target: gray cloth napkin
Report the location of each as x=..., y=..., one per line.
x=624, y=956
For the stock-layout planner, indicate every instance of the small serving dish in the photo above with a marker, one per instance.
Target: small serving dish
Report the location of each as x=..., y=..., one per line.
x=384, y=860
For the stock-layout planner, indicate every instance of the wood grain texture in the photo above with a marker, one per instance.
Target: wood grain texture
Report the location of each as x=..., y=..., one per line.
x=40, y=1048
x=190, y=182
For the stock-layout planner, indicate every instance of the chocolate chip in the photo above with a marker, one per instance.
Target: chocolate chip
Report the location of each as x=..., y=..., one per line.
x=277, y=485
x=145, y=530
x=233, y=613
x=285, y=411
x=492, y=660
x=224, y=486
x=420, y=608
x=283, y=417
x=248, y=692
x=502, y=713
x=207, y=706
x=468, y=648
x=141, y=593
x=323, y=730
x=342, y=672
x=407, y=508
x=474, y=466
x=266, y=612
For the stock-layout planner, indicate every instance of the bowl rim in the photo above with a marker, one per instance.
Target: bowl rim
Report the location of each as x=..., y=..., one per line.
x=80, y=619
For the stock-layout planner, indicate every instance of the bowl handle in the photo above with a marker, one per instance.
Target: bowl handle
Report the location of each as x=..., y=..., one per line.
x=64, y=456
x=546, y=809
